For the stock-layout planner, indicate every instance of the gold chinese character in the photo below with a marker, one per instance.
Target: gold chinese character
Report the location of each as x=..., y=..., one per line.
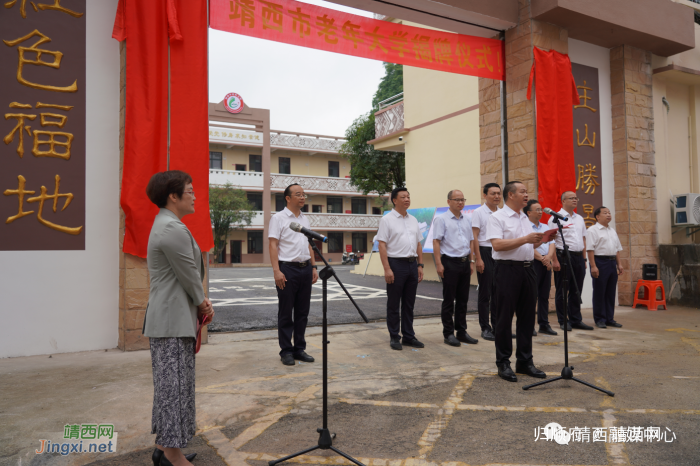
x=587, y=178
x=399, y=41
x=301, y=19
x=375, y=40
x=463, y=55
x=57, y=56
x=51, y=141
x=22, y=7
x=327, y=29
x=244, y=9
x=18, y=128
x=272, y=16
x=43, y=197
x=20, y=193
x=585, y=98
x=482, y=55
x=352, y=33
x=588, y=210
x=443, y=51
x=584, y=143
x=57, y=6
x=421, y=45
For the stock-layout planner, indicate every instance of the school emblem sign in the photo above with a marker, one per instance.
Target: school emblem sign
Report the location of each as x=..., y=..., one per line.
x=233, y=102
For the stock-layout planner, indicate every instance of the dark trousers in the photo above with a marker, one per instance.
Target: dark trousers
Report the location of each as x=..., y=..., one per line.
x=401, y=297
x=455, y=294
x=604, y=291
x=574, y=302
x=544, y=285
x=514, y=292
x=293, y=311
x=485, y=279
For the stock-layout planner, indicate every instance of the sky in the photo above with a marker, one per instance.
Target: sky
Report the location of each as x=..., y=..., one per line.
x=306, y=90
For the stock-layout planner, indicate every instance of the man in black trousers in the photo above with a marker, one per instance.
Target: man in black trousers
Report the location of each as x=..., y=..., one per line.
x=514, y=289
x=295, y=271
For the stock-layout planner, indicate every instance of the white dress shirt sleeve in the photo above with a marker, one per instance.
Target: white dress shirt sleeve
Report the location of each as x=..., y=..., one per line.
x=274, y=230
x=494, y=229
x=383, y=232
x=439, y=229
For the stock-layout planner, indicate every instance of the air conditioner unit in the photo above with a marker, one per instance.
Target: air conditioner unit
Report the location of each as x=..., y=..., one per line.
x=686, y=209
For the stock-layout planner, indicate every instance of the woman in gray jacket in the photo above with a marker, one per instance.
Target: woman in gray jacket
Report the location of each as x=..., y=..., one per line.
x=175, y=301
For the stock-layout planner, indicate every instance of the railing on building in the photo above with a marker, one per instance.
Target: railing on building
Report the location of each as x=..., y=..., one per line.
x=312, y=184
x=389, y=119
x=242, y=179
x=308, y=142
x=357, y=222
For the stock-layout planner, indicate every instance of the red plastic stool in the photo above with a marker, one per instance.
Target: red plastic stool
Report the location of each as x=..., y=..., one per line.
x=648, y=298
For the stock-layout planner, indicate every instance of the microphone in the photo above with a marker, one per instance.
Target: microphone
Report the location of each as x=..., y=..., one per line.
x=310, y=234
x=549, y=211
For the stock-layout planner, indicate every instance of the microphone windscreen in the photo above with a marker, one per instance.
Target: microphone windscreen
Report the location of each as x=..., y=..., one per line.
x=295, y=226
x=548, y=211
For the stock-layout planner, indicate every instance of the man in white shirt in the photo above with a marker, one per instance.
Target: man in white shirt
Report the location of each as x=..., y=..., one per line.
x=544, y=255
x=514, y=290
x=401, y=253
x=452, y=249
x=484, y=261
x=575, y=236
x=294, y=269
x=603, y=248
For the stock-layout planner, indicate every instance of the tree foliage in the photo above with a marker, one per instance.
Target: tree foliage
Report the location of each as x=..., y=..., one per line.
x=374, y=170
x=229, y=209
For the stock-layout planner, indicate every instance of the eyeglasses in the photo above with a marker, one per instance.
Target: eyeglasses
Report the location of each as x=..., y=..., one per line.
x=571, y=199
x=457, y=200
x=189, y=192
x=538, y=211
x=300, y=195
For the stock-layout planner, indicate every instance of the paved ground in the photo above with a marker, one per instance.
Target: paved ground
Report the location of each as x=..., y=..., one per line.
x=439, y=406
x=246, y=299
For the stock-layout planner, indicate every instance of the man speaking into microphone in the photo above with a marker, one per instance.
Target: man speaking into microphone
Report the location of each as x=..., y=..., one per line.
x=293, y=265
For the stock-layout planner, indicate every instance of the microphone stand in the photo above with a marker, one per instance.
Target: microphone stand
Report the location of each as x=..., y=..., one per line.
x=325, y=440
x=567, y=373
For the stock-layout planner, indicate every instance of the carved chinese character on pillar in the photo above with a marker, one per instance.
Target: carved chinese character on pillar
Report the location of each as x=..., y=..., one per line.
x=587, y=153
x=42, y=134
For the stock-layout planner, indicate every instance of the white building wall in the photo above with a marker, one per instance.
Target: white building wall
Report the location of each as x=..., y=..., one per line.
x=63, y=301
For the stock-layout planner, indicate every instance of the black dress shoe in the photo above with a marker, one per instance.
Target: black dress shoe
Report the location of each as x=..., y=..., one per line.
x=614, y=324
x=528, y=368
x=568, y=326
x=396, y=344
x=465, y=338
x=547, y=330
x=452, y=341
x=288, y=359
x=506, y=373
x=302, y=356
x=581, y=326
x=414, y=342
x=487, y=335
x=534, y=332
x=601, y=324
x=158, y=456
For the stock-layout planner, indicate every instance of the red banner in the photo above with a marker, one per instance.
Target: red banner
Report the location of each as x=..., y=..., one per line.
x=321, y=28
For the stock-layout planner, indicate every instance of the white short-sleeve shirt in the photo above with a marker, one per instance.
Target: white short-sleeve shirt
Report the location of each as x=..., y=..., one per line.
x=603, y=241
x=480, y=220
x=574, y=231
x=293, y=246
x=508, y=224
x=400, y=233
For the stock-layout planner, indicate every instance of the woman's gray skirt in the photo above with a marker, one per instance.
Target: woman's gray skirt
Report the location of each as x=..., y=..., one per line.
x=173, y=419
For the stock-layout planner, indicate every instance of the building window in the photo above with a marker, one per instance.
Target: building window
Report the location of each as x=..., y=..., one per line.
x=256, y=200
x=334, y=169
x=305, y=208
x=215, y=160
x=359, y=205
x=335, y=241
x=240, y=167
x=317, y=209
x=255, y=162
x=359, y=242
x=376, y=211
x=255, y=242
x=285, y=165
x=280, y=202
x=335, y=205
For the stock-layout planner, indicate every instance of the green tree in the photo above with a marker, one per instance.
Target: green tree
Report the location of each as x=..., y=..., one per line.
x=374, y=170
x=229, y=209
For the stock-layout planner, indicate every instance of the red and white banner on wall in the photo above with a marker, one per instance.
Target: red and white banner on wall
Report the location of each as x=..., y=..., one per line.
x=321, y=28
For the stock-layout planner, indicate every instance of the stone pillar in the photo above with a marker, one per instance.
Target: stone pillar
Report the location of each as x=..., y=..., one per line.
x=634, y=162
x=490, y=131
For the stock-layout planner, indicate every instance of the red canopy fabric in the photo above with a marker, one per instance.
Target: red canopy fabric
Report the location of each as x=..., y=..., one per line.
x=556, y=95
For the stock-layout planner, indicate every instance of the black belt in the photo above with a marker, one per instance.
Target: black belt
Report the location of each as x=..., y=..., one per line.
x=454, y=259
x=573, y=253
x=606, y=258
x=405, y=259
x=297, y=264
x=485, y=247
x=515, y=263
